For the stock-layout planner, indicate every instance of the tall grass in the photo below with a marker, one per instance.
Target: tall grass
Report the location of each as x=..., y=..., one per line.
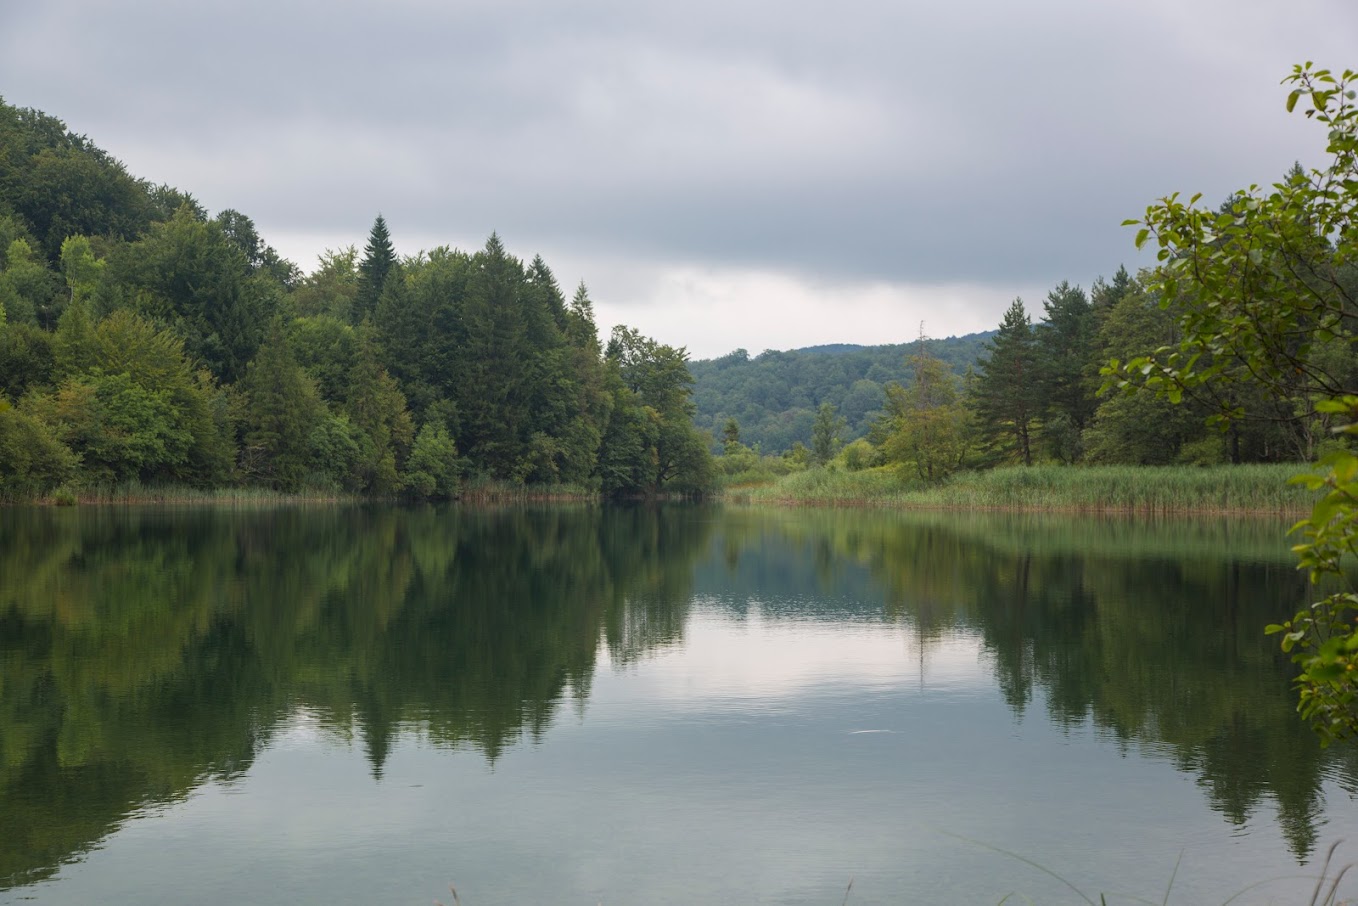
x=136, y=493
x=1100, y=489
x=493, y=491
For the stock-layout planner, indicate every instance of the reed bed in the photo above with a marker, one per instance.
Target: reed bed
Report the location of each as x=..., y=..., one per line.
x=138, y=494
x=1261, y=489
x=490, y=491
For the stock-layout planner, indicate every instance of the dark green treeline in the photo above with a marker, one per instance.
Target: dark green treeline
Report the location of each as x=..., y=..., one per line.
x=142, y=340
x=1033, y=391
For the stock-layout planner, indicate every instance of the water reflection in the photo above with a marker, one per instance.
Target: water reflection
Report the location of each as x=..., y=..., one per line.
x=1151, y=630
x=143, y=653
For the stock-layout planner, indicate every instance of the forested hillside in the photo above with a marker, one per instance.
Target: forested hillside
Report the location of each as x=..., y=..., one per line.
x=142, y=339
x=774, y=396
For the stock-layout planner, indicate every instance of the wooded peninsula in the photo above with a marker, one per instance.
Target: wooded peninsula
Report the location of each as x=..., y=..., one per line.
x=145, y=343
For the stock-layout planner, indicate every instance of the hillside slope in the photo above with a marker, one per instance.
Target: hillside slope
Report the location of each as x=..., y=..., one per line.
x=773, y=396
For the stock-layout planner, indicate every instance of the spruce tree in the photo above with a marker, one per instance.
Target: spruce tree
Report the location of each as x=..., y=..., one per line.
x=1067, y=342
x=1007, y=385
x=379, y=260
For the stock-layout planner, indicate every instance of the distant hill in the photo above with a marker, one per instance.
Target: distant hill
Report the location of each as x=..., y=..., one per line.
x=774, y=395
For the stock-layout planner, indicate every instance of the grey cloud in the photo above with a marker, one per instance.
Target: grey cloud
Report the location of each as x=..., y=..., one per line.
x=976, y=141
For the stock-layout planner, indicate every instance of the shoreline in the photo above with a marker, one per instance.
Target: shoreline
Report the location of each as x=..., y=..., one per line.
x=1251, y=491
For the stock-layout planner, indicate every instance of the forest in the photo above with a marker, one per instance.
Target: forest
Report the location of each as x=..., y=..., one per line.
x=144, y=341
x=1049, y=392
x=774, y=396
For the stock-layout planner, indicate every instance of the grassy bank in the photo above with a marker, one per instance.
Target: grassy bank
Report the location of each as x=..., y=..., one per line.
x=136, y=494
x=478, y=491
x=489, y=491
x=1095, y=489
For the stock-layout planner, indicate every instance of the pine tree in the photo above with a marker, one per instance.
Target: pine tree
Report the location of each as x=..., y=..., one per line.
x=1008, y=383
x=379, y=260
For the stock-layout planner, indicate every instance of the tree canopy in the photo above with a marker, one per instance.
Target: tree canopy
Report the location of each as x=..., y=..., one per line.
x=142, y=339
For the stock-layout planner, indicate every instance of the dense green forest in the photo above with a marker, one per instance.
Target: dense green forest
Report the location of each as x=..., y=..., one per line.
x=1046, y=392
x=144, y=341
x=774, y=395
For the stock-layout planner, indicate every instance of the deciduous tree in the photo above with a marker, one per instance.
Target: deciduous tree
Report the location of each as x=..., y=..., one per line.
x=1263, y=288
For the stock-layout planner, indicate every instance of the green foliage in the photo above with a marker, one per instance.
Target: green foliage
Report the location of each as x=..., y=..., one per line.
x=826, y=433
x=379, y=261
x=774, y=395
x=284, y=411
x=1264, y=291
x=81, y=268
x=1008, y=384
x=193, y=275
x=1065, y=340
x=730, y=433
x=1256, y=488
x=384, y=428
x=120, y=429
x=29, y=290
x=432, y=469
x=859, y=455
x=650, y=445
x=329, y=289
x=58, y=184
x=32, y=460
x=26, y=358
x=119, y=297
x=927, y=426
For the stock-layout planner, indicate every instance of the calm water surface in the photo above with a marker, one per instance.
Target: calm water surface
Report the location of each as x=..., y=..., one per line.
x=688, y=705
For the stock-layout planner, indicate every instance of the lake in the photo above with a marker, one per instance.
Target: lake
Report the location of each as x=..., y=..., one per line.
x=652, y=705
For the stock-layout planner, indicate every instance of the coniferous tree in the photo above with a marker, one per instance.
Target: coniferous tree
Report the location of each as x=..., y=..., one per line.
x=1104, y=296
x=1066, y=344
x=493, y=399
x=379, y=260
x=1007, y=388
x=826, y=433
x=283, y=411
x=377, y=409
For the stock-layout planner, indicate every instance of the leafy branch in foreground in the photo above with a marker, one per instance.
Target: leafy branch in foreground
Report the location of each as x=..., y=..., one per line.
x=1265, y=290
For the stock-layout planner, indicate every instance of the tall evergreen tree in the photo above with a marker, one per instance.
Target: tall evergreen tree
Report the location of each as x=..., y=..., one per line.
x=379, y=260
x=1104, y=296
x=494, y=396
x=1008, y=382
x=284, y=408
x=377, y=409
x=826, y=433
x=1067, y=342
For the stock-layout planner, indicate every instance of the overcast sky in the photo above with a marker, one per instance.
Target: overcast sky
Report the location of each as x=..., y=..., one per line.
x=766, y=174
